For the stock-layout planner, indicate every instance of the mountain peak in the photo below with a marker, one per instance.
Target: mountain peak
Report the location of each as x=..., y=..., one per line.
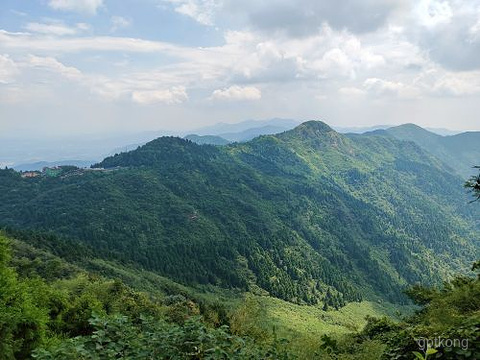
x=409, y=126
x=316, y=134
x=412, y=129
x=311, y=129
x=315, y=125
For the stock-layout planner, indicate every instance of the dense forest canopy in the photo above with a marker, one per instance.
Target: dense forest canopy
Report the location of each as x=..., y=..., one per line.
x=474, y=185
x=310, y=216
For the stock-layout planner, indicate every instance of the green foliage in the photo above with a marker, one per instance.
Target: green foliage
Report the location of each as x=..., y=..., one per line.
x=22, y=318
x=87, y=317
x=447, y=326
x=309, y=216
x=458, y=152
x=207, y=139
x=473, y=184
x=116, y=337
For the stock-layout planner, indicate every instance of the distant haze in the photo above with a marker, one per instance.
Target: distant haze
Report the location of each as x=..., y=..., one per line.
x=24, y=153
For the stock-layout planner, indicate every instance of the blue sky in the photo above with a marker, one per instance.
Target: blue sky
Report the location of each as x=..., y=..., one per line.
x=104, y=66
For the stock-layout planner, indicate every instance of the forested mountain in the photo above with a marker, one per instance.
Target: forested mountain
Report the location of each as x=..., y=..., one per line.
x=308, y=215
x=207, y=139
x=460, y=151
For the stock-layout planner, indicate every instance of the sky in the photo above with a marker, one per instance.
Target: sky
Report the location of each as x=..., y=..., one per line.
x=119, y=66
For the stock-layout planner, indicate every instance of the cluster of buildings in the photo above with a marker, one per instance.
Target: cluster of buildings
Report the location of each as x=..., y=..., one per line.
x=64, y=171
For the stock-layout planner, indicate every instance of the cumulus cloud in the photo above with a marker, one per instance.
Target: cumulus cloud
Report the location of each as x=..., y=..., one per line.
x=35, y=78
x=119, y=22
x=175, y=95
x=48, y=71
x=8, y=69
x=237, y=93
x=202, y=11
x=313, y=47
x=439, y=82
x=295, y=18
x=304, y=17
x=52, y=64
x=380, y=87
x=327, y=55
x=82, y=6
x=432, y=13
x=448, y=30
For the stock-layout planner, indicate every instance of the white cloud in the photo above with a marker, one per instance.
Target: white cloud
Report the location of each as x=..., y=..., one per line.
x=47, y=44
x=175, y=95
x=8, y=69
x=237, y=93
x=334, y=62
x=83, y=26
x=202, y=11
x=351, y=92
x=36, y=79
x=56, y=28
x=448, y=31
x=474, y=30
x=18, y=13
x=82, y=6
x=432, y=13
x=380, y=87
x=119, y=22
x=53, y=65
x=439, y=82
x=47, y=71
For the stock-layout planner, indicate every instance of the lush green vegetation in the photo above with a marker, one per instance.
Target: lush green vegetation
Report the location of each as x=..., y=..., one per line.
x=153, y=260
x=474, y=185
x=207, y=139
x=457, y=151
x=309, y=216
x=52, y=309
x=80, y=315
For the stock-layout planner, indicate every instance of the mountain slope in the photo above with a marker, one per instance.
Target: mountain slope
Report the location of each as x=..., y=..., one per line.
x=460, y=151
x=207, y=139
x=308, y=215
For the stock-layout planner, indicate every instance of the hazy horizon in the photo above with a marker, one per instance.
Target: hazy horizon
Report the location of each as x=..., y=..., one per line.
x=19, y=150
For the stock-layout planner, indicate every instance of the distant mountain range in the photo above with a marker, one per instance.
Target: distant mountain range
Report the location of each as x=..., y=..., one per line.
x=221, y=134
x=364, y=129
x=19, y=151
x=461, y=151
x=29, y=154
x=207, y=139
x=224, y=128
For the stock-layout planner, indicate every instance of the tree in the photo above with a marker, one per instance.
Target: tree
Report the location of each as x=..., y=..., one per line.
x=474, y=185
x=22, y=321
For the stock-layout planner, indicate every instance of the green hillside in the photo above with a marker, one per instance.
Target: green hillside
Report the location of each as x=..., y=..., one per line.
x=87, y=308
x=309, y=216
x=460, y=151
x=207, y=139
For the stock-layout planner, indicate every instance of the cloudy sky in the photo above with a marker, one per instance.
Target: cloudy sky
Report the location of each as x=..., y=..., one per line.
x=98, y=66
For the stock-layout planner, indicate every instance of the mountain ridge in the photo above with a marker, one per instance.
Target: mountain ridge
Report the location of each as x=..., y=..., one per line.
x=459, y=151
x=308, y=215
